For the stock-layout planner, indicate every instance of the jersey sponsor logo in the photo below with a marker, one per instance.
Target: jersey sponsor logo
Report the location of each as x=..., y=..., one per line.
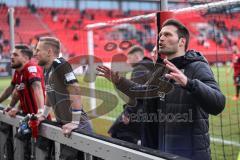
x=70, y=76
x=32, y=69
x=20, y=86
x=57, y=60
x=161, y=95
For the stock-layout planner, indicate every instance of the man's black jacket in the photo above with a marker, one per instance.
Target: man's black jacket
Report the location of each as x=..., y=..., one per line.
x=181, y=123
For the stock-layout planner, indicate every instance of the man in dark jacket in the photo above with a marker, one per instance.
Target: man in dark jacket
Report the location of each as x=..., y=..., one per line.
x=123, y=128
x=181, y=123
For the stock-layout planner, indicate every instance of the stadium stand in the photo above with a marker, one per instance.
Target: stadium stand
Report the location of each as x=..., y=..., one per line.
x=68, y=25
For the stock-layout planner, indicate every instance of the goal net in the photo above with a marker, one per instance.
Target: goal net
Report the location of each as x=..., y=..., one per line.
x=214, y=31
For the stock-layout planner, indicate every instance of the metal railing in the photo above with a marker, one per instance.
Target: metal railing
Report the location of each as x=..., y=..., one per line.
x=92, y=145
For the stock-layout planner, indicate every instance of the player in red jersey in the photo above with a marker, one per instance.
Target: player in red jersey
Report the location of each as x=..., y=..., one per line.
x=236, y=69
x=27, y=86
x=28, y=82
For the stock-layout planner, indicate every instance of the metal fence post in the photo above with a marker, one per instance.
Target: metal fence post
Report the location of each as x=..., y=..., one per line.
x=17, y=146
x=3, y=139
x=57, y=150
x=88, y=156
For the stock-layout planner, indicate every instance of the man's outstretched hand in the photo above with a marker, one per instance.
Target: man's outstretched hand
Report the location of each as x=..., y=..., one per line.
x=108, y=73
x=175, y=73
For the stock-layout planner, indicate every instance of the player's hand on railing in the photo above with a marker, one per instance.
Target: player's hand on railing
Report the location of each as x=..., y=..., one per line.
x=108, y=73
x=67, y=128
x=7, y=109
x=40, y=118
x=43, y=113
x=12, y=112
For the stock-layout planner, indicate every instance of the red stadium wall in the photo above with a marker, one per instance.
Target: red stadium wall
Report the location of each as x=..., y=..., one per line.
x=69, y=28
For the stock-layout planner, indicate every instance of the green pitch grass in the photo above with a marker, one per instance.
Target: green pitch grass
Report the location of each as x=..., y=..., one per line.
x=227, y=125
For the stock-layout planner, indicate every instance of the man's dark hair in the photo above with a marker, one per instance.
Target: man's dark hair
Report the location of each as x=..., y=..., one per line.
x=182, y=31
x=135, y=49
x=24, y=49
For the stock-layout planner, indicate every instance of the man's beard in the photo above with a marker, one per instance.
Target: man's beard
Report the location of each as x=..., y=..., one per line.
x=16, y=66
x=167, y=51
x=41, y=63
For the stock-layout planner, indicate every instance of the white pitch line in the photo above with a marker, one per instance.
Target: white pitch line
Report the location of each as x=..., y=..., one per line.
x=226, y=142
x=218, y=140
x=108, y=118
